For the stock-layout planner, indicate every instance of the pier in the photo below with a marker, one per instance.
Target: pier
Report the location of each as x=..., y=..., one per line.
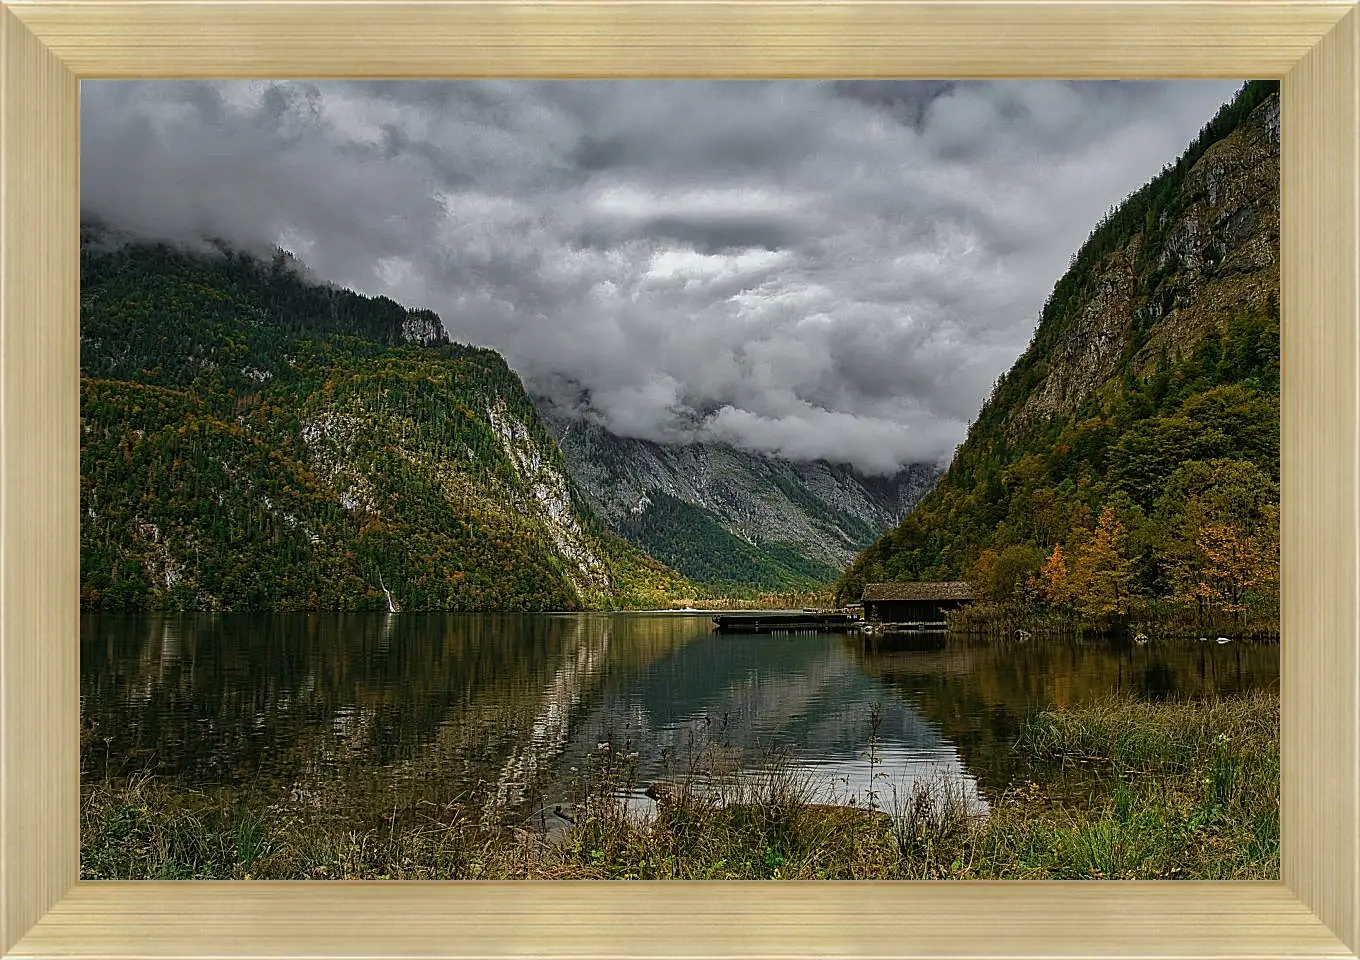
x=785, y=622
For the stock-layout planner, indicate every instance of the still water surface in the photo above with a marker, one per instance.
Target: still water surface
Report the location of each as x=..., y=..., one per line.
x=511, y=708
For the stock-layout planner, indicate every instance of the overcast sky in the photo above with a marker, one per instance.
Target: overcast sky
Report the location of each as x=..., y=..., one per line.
x=812, y=269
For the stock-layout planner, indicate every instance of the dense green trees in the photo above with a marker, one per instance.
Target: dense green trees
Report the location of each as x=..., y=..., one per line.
x=1220, y=534
x=692, y=540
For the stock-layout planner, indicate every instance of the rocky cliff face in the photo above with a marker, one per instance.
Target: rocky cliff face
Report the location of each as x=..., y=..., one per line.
x=823, y=512
x=1219, y=255
x=545, y=495
x=423, y=327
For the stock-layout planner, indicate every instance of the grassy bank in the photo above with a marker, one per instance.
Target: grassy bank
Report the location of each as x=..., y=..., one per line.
x=1147, y=621
x=1118, y=789
x=760, y=600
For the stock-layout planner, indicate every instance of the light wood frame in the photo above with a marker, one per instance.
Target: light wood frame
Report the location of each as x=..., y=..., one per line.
x=48, y=45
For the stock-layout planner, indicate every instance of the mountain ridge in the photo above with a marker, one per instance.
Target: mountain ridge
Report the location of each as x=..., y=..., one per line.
x=251, y=440
x=1132, y=451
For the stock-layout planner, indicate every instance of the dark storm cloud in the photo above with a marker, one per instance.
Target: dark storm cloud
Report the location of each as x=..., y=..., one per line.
x=706, y=234
x=814, y=269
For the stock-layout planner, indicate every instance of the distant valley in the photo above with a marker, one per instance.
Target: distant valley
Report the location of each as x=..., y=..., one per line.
x=729, y=517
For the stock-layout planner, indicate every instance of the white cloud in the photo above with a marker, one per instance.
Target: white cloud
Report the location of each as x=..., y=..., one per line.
x=816, y=269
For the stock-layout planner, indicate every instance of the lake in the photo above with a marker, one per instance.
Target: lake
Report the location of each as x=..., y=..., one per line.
x=514, y=710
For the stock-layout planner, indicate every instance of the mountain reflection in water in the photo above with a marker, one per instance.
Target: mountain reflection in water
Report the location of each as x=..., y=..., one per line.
x=502, y=708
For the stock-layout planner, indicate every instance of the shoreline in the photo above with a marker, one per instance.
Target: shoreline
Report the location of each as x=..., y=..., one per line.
x=1121, y=788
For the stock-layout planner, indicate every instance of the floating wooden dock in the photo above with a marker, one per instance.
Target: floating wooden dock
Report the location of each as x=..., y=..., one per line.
x=914, y=626
x=790, y=622
x=895, y=641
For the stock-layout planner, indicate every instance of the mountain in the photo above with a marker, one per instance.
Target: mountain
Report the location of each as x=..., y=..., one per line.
x=729, y=517
x=251, y=440
x=1132, y=452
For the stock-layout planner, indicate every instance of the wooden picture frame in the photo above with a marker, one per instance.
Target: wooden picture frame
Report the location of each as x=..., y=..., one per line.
x=47, y=46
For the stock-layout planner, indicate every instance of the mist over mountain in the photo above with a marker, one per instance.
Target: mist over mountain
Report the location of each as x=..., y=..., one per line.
x=806, y=269
x=720, y=514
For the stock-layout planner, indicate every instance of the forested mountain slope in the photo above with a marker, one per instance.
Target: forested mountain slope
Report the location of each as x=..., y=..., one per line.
x=1132, y=453
x=254, y=441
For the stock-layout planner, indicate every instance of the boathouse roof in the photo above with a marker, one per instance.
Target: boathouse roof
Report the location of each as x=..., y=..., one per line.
x=943, y=590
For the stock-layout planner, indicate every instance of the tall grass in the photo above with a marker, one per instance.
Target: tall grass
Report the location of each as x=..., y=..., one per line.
x=1117, y=789
x=1138, y=789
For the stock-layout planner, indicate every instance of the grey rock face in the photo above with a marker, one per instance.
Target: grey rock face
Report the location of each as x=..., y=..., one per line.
x=1219, y=256
x=423, y=327
x=825, y=511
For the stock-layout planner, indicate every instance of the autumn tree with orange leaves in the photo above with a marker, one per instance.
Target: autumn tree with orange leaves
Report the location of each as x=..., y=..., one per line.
x=1101, y=580
x=1054, y=579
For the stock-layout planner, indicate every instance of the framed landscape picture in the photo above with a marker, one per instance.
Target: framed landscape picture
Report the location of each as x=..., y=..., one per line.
x=635, y=479
x=731, y=517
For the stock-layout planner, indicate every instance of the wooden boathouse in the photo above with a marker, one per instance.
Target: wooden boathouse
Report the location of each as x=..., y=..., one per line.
x=914, y=606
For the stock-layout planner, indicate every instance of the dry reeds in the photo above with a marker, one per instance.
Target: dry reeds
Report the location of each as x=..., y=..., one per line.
x=1116, y=789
